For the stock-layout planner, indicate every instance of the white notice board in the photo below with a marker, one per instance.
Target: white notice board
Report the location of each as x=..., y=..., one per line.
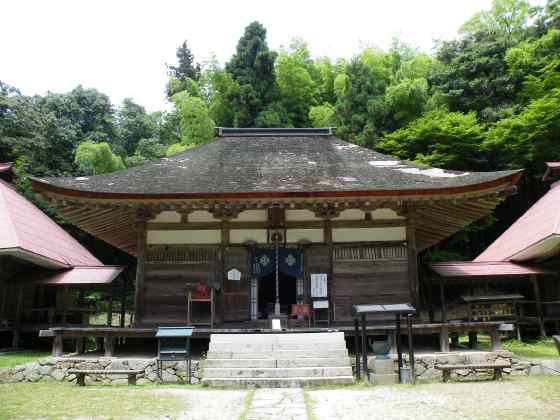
x=318, y=285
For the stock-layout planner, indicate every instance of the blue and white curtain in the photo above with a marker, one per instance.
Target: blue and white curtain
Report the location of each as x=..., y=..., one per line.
x=290, y=262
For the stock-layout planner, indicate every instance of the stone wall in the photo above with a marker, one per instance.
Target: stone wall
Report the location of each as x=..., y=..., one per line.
x=56, y=368
x=425, y=364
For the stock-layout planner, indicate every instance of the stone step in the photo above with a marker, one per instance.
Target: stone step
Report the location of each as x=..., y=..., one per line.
x=269, y=338
x=277, y=355
x=241, y=347
x=385, y=378
x=277, y=382
x=308, y=372
x=279, y=363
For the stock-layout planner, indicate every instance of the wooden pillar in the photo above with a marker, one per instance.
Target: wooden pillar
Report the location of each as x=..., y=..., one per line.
x=473, y=339
x=539, y=304
x=109, y=345
x=412, y=253
x=57, y=348
x=123, y=301
x=410, y=349
x=444, y=339
x=64, y=305
x=495, y=341
x=399, y=347
x=19, y=310
x=442, y=297
x=364, y=350
x=80, y=345
x=357, y=346
x=331, y=287
x=110, y=309
x=140, y=266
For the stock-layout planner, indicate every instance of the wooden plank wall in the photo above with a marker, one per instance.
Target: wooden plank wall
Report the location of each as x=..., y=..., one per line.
x=316, y=260
x=169, y=273
x=236, y=294
x=369, y=274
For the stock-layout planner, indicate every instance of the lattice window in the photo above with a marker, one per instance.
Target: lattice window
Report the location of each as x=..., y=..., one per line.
x=181, y=255
x=369, y=253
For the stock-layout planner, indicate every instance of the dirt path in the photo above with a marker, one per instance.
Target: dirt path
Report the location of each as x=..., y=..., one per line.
x=525, y=398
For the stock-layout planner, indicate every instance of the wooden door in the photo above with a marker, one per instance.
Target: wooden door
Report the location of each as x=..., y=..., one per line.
x=235, y=296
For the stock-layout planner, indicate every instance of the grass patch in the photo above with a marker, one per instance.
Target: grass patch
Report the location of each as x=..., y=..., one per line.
x=537, y=349
x=309, y=405
x=247, y=403
x=8, y=360
x=54, y=400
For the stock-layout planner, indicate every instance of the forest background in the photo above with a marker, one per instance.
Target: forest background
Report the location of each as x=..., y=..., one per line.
x=487, y=100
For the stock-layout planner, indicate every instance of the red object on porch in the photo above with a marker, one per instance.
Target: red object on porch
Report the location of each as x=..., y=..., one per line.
x=302, y=313
x=202, y=291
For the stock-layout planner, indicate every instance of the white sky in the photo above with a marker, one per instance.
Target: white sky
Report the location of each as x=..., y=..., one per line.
x=120, y=47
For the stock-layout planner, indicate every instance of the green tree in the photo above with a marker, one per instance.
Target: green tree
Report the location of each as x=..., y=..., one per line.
x=298, y=90
x=187, y=67
x=252, y=68
x=450, y=140
x=146, y=151
x=322, y=115
x=134, y=124
x=97, y=158
x=196, y=125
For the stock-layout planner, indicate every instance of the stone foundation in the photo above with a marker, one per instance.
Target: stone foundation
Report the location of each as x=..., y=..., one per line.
x=425, y=364
x=56, y=368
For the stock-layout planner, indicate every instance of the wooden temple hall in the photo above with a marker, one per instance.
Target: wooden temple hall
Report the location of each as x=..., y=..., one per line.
x=261, y=224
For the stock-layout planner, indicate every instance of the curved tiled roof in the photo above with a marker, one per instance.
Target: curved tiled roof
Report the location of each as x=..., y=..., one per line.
x=273, y=164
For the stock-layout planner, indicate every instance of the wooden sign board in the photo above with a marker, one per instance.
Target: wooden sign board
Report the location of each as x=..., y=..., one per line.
x=318, y=285
x=234, y=275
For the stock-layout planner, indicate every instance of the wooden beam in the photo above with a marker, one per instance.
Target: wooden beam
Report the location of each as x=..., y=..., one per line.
x=537, y=291
x=412, y=258
x=140, y=267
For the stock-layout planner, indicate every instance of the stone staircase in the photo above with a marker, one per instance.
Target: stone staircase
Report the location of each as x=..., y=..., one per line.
x=277, y=360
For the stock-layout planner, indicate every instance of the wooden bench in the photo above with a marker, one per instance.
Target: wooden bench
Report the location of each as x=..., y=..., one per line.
x=496, y=367
x=81, y=374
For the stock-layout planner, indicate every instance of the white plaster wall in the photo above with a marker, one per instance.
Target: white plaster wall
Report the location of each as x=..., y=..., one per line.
x=252, y=216
x=183, y=237
x=201, y=216
x=369, y=234
x=385, y=214
x=167, y=217
x=300, y=215
x=351, y=214
x=239, y=236
x=295, y=235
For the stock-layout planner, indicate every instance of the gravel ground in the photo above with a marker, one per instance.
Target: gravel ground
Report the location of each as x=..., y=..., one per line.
x=526, y=398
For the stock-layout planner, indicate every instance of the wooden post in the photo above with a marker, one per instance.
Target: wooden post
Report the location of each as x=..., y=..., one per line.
x=495, y=342
x=399, y=348
x=123, y=301
x=357, y=345
x=410, y=349
x=429, y=297
x=412, y=258
x=442, y=297
x=331, y=287
x=64, y=305
x=473, y=339
x=19, y=309
x=80, y=345
x=444, y=339
x=57, y=348
x=140, y=266
x=539, y=304
x=109, y=345
x=110, y=308
x=364, y=350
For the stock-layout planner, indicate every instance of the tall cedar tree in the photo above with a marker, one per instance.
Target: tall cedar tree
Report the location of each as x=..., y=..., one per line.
x=187, y=66
x=252, y=67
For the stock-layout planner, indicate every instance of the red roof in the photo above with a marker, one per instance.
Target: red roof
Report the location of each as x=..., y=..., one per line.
x=484, y=269
x=82, y=276
x=535, y=235
x=28, y=233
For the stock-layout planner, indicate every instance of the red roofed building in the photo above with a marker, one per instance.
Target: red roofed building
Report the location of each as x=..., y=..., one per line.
x=529, y=248
x=35, y=252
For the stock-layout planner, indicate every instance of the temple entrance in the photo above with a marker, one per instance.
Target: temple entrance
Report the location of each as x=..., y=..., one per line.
x=267, y=294
x=277, y=280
